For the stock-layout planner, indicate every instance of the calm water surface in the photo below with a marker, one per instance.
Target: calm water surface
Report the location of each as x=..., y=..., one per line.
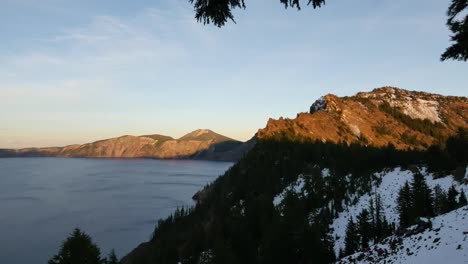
x=116, y=201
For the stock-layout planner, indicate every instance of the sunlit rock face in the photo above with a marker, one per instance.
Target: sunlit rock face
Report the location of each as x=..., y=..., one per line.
x=388, y=115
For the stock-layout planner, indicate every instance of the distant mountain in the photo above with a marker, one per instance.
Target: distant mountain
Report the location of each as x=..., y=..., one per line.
x=387, y=115
x=202, y=144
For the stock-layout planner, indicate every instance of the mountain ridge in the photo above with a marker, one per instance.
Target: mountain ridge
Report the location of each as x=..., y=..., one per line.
x=383, y=116
x=203, y=144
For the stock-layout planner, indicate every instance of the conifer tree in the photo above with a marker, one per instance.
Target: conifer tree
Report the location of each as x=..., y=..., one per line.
x=462, y=200
x=373, y=218
x=440, y=200
x=78, y=249
x=404, y=205
x=364, y=228
x=112, y=258
x=341, y=254
x=380, y=228
x=351, y=238
x=421, y=197
x=387, y=228
x=452, y=195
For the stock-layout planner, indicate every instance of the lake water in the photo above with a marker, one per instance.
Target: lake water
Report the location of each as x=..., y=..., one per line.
x=116, y=201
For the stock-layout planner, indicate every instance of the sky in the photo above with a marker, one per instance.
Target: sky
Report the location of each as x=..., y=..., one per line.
x=79, y=71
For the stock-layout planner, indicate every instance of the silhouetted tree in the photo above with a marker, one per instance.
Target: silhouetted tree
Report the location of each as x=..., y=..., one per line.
x=364, y=228
x=452, y=195
x=459, y=28
x=421, y=197
x=404, y=205
x=78, y=249
x=219, y=12
x=462, y=200
x=380, y=226
x=351, y=238
x=112, y=258
x=440, y=200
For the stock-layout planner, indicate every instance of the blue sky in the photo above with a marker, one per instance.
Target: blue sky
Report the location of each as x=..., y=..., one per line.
x=79, y=71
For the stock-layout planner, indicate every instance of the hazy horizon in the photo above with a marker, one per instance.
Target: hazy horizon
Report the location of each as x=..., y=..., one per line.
x=77, y=72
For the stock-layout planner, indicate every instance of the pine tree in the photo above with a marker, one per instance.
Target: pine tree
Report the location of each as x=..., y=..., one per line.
x=341, y=254
x=387, y=228
x=373, y=219
x=440, y=200
x=379, y=219
x=462, y=200
x=421, y=196
x=364, y=228
x=452, y=203
x=78, y=249
x=112, y=258
x=404, y=205
x=351, y=238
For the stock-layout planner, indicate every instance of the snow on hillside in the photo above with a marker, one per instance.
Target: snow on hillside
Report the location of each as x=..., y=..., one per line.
x=445, y=242
x=392, y=181
x=295, y=187
x=422, y=106
x=422, y=109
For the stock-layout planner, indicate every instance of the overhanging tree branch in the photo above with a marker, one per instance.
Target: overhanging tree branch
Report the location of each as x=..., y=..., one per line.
x=219, y=12
x=459, y=28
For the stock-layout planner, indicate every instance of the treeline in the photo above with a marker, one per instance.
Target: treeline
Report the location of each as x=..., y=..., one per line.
x=444, y=158
x=370, y=227
x=417, y=199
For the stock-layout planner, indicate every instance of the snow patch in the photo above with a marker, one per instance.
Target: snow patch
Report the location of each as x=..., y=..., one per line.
x=296, y=187
x=418, y=109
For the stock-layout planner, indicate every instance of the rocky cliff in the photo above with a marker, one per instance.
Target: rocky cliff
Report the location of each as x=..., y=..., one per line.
x=387, y=115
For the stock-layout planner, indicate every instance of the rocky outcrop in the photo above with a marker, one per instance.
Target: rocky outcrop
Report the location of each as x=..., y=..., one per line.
x=387, y=115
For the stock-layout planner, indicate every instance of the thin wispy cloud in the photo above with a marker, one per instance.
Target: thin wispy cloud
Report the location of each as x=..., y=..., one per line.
x=101, y=51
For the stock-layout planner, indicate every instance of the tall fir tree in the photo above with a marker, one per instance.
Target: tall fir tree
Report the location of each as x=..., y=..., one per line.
x=351, y=238
x=78, y=249
x=422, y=205
x=452, y=195
x=380, y=223
x=440, y=200
x=364, y=228
x=462, y=200
x=112, y=258
x=404, y=205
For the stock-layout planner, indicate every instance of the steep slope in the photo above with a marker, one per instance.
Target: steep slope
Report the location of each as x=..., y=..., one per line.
x=445, y=242
x=448, y=230
x=199, y=144
x=288, y=199
x=383, y=116
x=389, y=182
